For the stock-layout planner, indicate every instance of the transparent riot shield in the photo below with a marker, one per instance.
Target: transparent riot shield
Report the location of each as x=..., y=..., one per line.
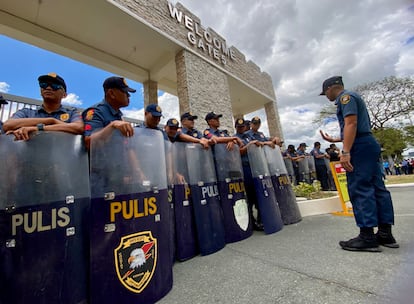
x=169, y=163
x=130, y=240
x=312, y=168
x=289, y=168
x=304, y=170
x=289, y=209
x=232, y=193
x=206, y=200
x=44, y=206
x=185, y=229
x=266, y=197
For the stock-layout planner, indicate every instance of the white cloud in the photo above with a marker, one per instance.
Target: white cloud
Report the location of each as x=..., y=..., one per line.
x=301, y=43
x=4, y=87
x=72, y=100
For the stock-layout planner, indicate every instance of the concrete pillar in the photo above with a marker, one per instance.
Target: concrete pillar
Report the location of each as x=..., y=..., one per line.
x=273, y=120
x=150, y=92
x=202, y=88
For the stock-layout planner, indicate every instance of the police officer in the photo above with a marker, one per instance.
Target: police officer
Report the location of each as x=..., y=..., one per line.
x=50, y=116
x=360, y=157
x=219, y=136
x=103, y=117
x=241, y=126
x=320, y=166
x=153, y=114
x=294, y=157
x=254, y=134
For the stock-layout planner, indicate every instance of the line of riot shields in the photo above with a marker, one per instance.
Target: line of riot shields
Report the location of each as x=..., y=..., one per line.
x=306, y=171
x=107, y=228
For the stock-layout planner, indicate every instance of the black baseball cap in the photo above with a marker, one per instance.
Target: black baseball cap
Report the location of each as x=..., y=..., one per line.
x=52, y=78
x=330, y=82
x=172, y=122
x=256, y=120
x=240, y=122
x=188, y=115
x=154, y=109
x=212, y=115
x=115, y=82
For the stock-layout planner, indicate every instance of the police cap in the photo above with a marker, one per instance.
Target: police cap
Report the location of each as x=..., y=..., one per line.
x=330, y=82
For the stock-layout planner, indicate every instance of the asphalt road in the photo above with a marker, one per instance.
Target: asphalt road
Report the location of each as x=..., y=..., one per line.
x=303, y=263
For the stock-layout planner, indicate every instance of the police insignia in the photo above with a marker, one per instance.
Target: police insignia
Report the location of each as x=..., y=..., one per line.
x=206, y=132
x=64, y=117
x=345, y=99
x=52, y=75
x=174, y=121
x=158, y=108
x=240, y=121
x=89, y=114
x=195, y=134
x=135, y=260
x=124, y=81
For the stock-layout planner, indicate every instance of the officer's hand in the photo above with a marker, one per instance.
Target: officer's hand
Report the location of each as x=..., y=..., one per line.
x=123, y=126
x=212, y=141
x=271, y=144
x=230, y=146
x=326, y=136
x=345, y=160
x=204, y=142
x=22, y=133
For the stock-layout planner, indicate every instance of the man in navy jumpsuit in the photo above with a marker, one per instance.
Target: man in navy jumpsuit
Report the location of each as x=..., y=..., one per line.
x=360, y=157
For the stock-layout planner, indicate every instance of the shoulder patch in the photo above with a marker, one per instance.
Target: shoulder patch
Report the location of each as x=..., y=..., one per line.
x=206, y=132
x=89, y=114
x=195, y=134
x=345, y=99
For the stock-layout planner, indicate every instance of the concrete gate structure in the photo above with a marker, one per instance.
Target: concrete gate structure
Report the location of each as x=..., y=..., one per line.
x=158, y=43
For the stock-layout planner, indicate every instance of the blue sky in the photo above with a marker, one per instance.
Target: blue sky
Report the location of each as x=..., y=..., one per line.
x=21, y=64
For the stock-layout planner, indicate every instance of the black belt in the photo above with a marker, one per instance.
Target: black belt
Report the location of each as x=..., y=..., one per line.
x=363, y=134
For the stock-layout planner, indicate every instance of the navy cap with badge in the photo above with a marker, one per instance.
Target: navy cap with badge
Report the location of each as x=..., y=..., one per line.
x=172, y=122
x=154, y=109
x=256, y=120
x=330, y=82
x=240, y=122
x=188, y=115
x=52, y=78
x=302, y=145
x=212, y=115
x=115, y=82
x=2, y=100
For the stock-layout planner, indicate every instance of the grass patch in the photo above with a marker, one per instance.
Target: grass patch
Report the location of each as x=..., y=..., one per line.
x=399, y=179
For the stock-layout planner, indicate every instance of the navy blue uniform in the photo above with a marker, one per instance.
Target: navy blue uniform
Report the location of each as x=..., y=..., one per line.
x=194, y=133
x=320, y=167
x=64, y=114
x=371, y=201
x=256, y=135
x=99, y=116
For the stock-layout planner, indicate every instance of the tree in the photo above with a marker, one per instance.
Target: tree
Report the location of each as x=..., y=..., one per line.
x=392, y=141
x=409, y=134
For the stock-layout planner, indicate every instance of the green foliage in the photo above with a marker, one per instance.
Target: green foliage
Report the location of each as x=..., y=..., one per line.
x=392, y=141
x=409, y=134
x=310, y=191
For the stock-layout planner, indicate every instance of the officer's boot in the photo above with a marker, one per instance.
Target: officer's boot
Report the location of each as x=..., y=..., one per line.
x=365, y=241
x=384, y=236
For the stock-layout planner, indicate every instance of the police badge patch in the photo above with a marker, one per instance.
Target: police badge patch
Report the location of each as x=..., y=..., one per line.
x=135, y=260
x=345, y=99
x=64, y=117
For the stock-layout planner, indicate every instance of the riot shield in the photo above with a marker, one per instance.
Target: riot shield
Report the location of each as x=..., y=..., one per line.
x=312, y=168
x=130, y=241
x=206, y=200
x=304, y=170
x=266, y=198
x=185, y=229
x=283, y=188
x=168, y=148
x=289, y=168
x=232, y=193
x=43, y=219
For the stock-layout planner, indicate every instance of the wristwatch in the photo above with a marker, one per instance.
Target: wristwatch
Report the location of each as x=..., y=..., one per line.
x=344, y=153
x=41, y=127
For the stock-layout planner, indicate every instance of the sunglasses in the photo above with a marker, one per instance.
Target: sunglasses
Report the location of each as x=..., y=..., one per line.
x=54, y=86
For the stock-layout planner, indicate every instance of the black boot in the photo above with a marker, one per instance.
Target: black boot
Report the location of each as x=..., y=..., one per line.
x=384, y=236
x=365, y=241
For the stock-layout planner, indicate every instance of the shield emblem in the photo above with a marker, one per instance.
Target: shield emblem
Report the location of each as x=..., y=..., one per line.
x=135, y=260
x=241, y=214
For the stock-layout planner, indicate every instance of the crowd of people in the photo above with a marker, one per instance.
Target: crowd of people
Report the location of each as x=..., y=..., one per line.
x=399, y=167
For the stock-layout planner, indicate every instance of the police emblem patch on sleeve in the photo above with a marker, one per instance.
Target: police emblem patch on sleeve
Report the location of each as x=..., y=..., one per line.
x=206, y=132
x=89, y=114
x=345, y=99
